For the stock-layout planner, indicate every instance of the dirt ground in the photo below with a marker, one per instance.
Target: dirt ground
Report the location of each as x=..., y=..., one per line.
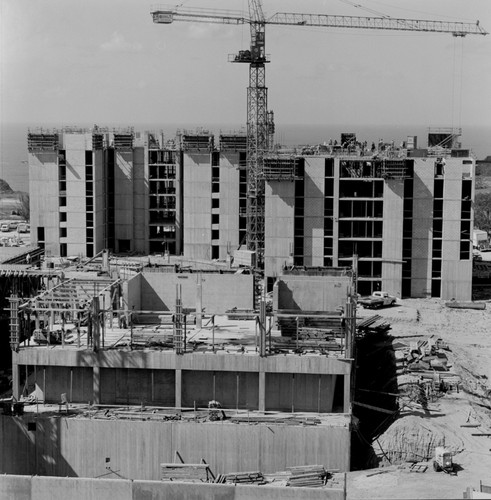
x=468, y=334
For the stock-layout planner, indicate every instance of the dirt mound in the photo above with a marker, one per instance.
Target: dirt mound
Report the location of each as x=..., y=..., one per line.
x=414, y=439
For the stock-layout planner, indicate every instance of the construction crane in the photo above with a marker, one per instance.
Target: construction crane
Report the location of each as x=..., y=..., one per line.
x=260, y=126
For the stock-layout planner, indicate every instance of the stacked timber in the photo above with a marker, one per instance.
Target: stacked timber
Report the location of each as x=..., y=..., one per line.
x=309, y=476
x=373, y=324
x=272, y=419
x=241, y=478
x=454, y=304
x=187, y=473
x=236, y=314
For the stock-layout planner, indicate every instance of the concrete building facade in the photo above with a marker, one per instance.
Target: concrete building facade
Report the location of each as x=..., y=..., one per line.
x=126, y=191
x=405, y=220
x=408, y=222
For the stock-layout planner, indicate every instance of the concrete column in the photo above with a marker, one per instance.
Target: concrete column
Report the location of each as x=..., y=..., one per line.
x=96, y=378
x=262, y=391
x=15, y=377
x=199, y=301
x=347, y=393
x=178, y=388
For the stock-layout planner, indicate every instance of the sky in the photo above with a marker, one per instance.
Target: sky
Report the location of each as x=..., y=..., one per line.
x=71, y=62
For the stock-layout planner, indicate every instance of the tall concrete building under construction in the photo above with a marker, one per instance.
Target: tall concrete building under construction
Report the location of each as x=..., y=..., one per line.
x=403, y=217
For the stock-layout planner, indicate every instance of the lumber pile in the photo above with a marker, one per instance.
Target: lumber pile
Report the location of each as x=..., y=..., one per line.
x=309, y=476
x=266, y=419
x=240, y=478
x=453, y=304
x=187, y=473
x=373, y=324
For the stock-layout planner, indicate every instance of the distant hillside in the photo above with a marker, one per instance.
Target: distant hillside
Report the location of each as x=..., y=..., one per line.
x=13, y=204
x=5, y=188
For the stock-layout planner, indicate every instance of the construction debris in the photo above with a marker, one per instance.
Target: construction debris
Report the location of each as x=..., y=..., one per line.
x=240, y=478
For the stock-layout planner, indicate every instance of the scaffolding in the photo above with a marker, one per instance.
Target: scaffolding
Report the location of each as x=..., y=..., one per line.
x=280, y=168
x=97, y=142
x=233, y=142
x=197, y=142
x=123, y=142
x=397, y=169
x=42, y=142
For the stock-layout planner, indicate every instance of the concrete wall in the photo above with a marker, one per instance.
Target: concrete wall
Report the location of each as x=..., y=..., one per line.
x=392, y=237
x=279, y=209
x=75, y=146
x=220, y=292
x=137, y=386
x=456, y=273
x=166, y=360
x=123, y=199
x=44, y=198
x=314, y=211
x=140, y=201
x=56, y=488
x=233, y=390
x=311, y=293
x=197, y=205
x=291, y=383
x=100, y=190
x=300, y=392
x=52, y=381
x=132, y=293
x=76, y=447
x=229, y=203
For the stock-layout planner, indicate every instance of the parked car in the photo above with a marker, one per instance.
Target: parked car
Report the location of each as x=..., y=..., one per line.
x=4, y=228
x=13, y=225
x=376, y=300
x=22, y=228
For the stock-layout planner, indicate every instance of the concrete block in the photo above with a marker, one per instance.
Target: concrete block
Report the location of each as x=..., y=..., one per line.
x=61, y=488
x=18, y=487
x=153, y=490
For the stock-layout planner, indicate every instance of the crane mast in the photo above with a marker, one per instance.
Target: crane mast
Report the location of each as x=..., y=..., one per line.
x=260, y=126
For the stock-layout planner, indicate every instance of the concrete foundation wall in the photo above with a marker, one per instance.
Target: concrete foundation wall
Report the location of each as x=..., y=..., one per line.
x=57, y=488
x=231, y=389
x=52, y=381
x=74, y=447
x=300, y=392
x=220, y=292
x=147, y=387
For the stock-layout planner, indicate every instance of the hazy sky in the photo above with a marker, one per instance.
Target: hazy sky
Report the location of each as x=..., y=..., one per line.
x=105, y=62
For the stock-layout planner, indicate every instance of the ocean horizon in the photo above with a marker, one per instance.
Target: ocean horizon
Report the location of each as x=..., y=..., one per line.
x=13, y=145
